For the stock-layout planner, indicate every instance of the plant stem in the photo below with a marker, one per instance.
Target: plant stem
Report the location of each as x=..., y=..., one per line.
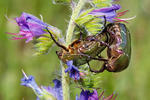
x=71, y=26
x=65, y=84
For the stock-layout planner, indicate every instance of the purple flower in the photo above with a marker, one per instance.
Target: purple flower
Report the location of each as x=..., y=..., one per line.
x=44, y=93
x=30, y=26
x=30, y=82
x=56, y=91
x=109, y=13
x=87, y=95
x=73, y=70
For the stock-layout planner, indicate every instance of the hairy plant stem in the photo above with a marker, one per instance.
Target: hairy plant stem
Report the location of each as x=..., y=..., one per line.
x=74, y=15
x=71, y=26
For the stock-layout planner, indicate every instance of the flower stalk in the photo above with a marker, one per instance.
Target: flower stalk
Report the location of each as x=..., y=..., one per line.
x=65, y=84
x=71, y=26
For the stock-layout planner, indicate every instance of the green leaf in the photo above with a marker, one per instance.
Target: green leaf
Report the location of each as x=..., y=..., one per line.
x=102, y=3
x=91, y=81
x=61, y=1
x=91, y=23
x=43, y=44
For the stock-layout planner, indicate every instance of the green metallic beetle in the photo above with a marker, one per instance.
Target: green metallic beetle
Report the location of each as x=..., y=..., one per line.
x=82, y=50
x=115, y=37
x=119, y=49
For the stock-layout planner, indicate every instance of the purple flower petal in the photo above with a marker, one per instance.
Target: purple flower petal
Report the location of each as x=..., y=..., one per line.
x=73, y=70
x=30, y=26
x=94, y=95
x=30, y=82
x=56, y=91
x=108, y=12
x=86, y=95
x=106, y=9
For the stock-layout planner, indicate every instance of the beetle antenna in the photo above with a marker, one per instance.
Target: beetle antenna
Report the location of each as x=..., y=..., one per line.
x=62, y=46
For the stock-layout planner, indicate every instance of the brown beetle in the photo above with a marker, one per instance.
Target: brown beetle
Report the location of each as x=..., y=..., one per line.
x=119, y=49
x=81, y=51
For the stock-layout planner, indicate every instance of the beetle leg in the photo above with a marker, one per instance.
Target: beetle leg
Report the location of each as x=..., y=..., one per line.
x=81, y=37
x=81, y=34
x=110, y=69
x=90, y=57
x=89, y=66
x=102, y=43
x=99, y=59
x=59, y=45
x=105, y=21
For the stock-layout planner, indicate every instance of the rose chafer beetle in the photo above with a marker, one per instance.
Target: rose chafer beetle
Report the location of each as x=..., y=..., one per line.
x=119, y=49
x=115, y=37
x=81, y=51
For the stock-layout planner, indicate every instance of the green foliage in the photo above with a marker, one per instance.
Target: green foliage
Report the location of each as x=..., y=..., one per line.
x=90, y=81
x=42, y=44
x=102, y=3
x=91, y=23
x=61, y=1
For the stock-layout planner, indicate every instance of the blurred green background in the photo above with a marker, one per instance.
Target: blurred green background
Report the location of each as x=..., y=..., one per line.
x=131, y=84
